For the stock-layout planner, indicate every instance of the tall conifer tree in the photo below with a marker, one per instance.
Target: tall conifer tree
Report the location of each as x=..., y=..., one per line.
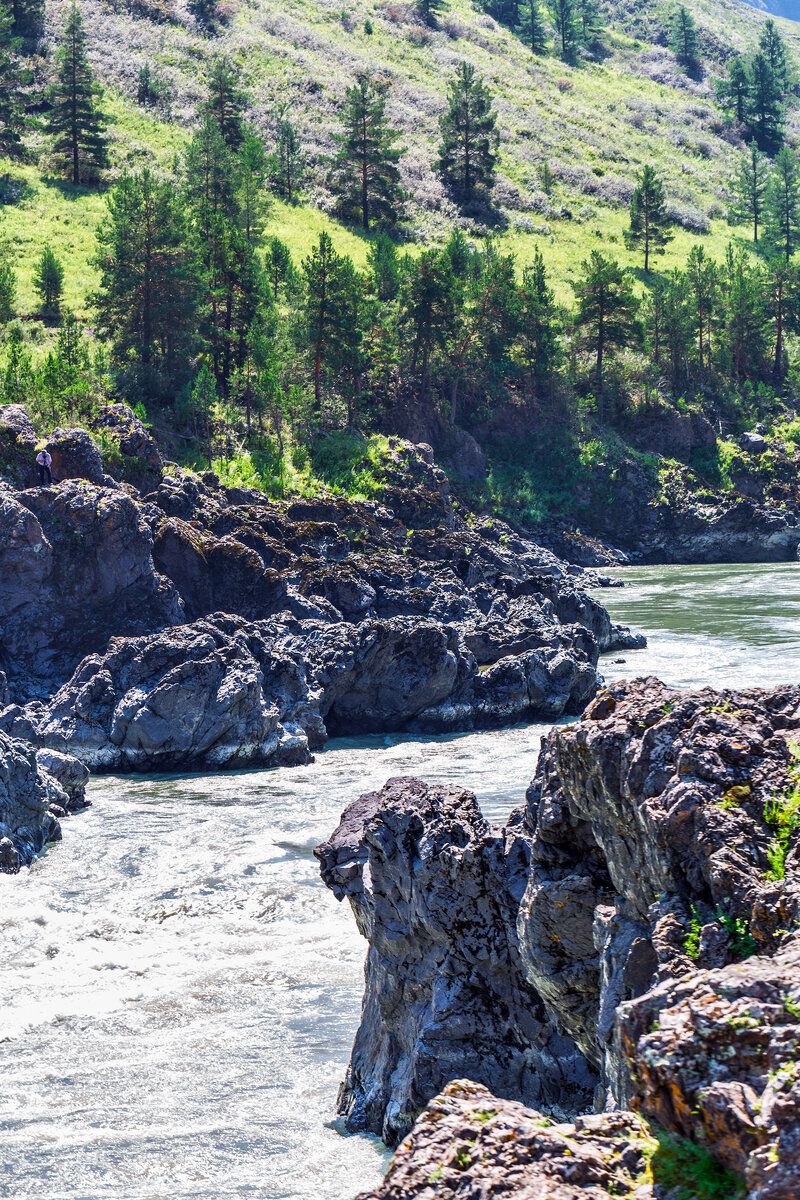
x=531, y=29
x=683, y=38
x=13, y=78
x=564, y=18
x=773, y=47
x=733, y=93
x=607, y=309
x=226, y=102
x=469, y=146
x=650, y=220
x=75, y=121
x=749, y=188
x=765, y=116
x=364, y=173
x=782, y=207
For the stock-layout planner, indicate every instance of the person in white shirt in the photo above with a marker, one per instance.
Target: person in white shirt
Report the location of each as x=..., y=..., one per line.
x=44, y=462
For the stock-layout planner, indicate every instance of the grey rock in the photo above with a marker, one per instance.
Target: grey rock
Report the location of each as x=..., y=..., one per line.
x=26, y=793
x=754, y=443
x=435, y=889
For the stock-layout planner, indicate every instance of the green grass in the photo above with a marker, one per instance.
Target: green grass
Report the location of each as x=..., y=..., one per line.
x=690, y=1171
x=595, y=124
x=782, y=815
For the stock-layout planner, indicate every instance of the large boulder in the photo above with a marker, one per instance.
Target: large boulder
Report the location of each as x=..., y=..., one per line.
x=76, y=456
x=651, y=818
x=27, y=793
x=17, y=445
x=435, y=890
x=713, y=1056
x=75, y=566
x=473, y=1145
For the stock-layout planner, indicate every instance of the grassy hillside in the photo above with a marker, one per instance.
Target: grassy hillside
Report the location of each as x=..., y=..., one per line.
x=595, y=124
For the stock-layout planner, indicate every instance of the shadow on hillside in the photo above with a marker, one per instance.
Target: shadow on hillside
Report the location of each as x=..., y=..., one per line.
x=14, y=190
x=70, y=191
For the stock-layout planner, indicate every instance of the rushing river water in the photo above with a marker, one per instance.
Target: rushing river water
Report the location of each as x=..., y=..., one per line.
x=180, y=992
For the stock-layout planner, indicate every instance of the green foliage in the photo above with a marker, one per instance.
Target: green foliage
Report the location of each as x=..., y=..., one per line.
x=226, y=102
x=14, y=78
x=782, y=205
x=607, y=308
x=691, y=936
x=742, y=942
x=349, y=464
x=286, y=175
x=749, y=187
x=469, y=138
x=74, y=121
x=650, y=220
x=689, y=1172
x=683, y=38
x=48, y=279
x=782, y=815
x=364, y=174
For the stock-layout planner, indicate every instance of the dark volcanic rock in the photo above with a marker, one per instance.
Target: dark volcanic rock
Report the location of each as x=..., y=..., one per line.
x=714, y=1056
x=75, y=563
x=76, y=456
x=647, y=814
x=137, y=458
x=435, y=889
x=27, y=795
x=471, y=1145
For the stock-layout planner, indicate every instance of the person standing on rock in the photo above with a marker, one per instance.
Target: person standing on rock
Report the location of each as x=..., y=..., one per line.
x=44, y=462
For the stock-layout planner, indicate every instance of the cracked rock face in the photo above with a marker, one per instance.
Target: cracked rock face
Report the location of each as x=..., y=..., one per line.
x=648, y=816
x=435, y=889
x=715, y=1056
x=35, y=792
x=471, y=1145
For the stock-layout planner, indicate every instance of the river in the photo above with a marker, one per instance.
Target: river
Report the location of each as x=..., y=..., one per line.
x=180, y=991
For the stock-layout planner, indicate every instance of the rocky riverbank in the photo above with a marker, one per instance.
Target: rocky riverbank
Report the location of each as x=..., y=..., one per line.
x=631, y=934
x=155, y=620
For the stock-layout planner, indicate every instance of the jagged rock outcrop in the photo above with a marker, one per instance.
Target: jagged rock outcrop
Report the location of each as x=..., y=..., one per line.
x=225, y=692
x=35, y=792
x=714, y=1056
x=648, y=816
x=435, y=889
x=660, y=853
x=471, y=1145
x=75, y=564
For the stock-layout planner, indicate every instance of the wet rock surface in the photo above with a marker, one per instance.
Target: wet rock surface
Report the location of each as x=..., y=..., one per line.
x=34, y=795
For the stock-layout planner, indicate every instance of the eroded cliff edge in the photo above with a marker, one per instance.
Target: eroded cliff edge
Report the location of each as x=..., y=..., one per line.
x=640, y=913
x=151, y=619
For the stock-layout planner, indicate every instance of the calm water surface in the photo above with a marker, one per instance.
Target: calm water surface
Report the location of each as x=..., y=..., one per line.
x=180, y=992
x=728, y=626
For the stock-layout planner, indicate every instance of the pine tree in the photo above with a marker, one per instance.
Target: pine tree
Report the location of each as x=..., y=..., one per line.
x=252, y=170
x=781, y=288
x=765, y=116
x=279, y=266
x=531, y=29
x=75, y=121
x=538, y=321
x=427, y=310
x=204, y=399
x=148, y=297
x=384, y=268
x=326, y=310
x=702, y=280
x=749, y=188
x=364, y=174
x=27, y=17
x=204, y=12
x=8, y=291
x=469, y=146
x=13, y=78
x=650, y=221
x=587, y=19
x=733, y=93
x=782, y=205
x=566, y=28
x=773, y=47
x=607, y=309
x=743, y=334
x=226, y=102
x=48, y=281
x=286, y=174
x=667, y=324
x=683, y=38
x=428, y=11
